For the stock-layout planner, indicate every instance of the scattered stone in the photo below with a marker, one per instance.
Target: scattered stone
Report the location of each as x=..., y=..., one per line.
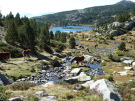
x=107, y=89
x=117, y=24
x=71, y=80
x=78, y=87
x=82, y=77
x=40, y=94
x=132, y=88
x=128, y=68
x=15, y=99
x=50, y=83
x=124, y=58
x=128, y=61
x=87, y=84
x=133, y=64
x=123, y=73
x=49, y=98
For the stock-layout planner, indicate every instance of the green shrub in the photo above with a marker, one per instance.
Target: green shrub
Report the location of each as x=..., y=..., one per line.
x=54, y=63
x=3, y=94
x=122, y=46
x=69, y=96
x=32, y=69
x=114, y=58
x=110, y=78
x=110, y=56
x=21, y=86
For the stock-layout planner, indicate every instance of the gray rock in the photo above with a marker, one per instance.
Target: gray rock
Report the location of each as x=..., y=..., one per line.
x=49, y=98
x=40, y=94
x=82, y=77
x=5, y=79
x=107, y=89
x=128, y=68
x=130, y=25
x=15, y=99
x=133, y=64
x=116, y=32
x=87, y=84
x=76, y=71
x=71, y=81
x=133, y=18
x=124, y=58
x=117, y=24
x=78, y=87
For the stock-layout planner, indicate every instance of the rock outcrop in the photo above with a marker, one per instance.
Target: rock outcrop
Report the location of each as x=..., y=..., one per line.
x=107, y=89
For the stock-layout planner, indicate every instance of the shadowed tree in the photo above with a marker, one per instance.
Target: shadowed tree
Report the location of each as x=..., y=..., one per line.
x=72, y=42
x=12, y=35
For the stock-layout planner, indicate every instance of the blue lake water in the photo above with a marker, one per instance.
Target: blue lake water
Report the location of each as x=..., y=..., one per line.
x=71, y=29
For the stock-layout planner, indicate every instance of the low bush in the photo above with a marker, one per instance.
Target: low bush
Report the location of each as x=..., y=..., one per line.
x=110, y=78
x=15, y=52
x=114, y=58
x=21, y=86
x=3, y=94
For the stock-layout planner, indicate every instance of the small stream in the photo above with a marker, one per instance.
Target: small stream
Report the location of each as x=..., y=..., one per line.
x=59, y=73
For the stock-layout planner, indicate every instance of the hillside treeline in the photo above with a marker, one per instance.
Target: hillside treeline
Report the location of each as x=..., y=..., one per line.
x=25, y=33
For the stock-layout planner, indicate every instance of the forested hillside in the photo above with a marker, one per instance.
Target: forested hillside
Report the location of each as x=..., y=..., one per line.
x=99, y=15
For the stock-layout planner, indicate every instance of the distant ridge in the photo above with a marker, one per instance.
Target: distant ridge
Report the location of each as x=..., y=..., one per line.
x=124, y=2
x=98, y=15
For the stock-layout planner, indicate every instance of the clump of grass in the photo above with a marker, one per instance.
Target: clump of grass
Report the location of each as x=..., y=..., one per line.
x=126, y=92
x=61, y=83
x=21, y=86
x=103, y=64
x=3, y=96
x=114, y=58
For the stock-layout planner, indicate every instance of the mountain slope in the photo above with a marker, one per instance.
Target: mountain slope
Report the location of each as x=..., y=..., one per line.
x=99, y=15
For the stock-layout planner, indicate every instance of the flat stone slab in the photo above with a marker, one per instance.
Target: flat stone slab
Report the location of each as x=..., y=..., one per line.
x=128, y=68
x=123, y=73
x=76, y=71
x=128, y=61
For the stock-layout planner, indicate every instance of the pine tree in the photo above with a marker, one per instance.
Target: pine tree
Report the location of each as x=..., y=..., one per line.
x=72, y=42
x=12, y=35
x=17, y=20
x=1, y=19
x=51, y=35
x=133, y=12
x=44, y=38
x=29, y=35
